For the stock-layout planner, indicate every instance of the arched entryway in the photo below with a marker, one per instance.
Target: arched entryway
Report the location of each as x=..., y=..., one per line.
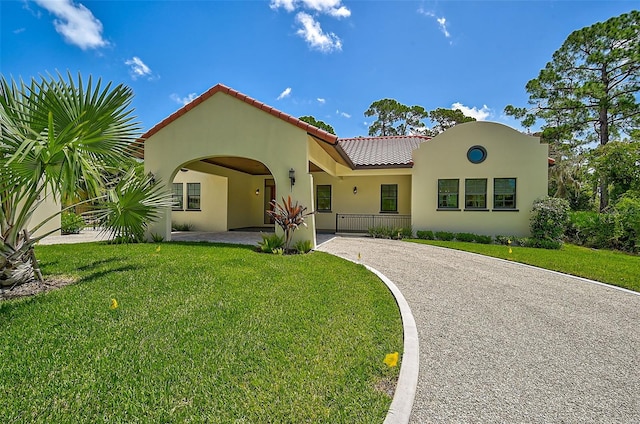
x=221, y=193
x=259, y=150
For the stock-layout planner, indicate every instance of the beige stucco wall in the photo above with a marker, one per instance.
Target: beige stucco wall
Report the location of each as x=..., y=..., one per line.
x=366, y=201
x=212, y=215
x=49, y=207
x=225, y=126
x=510, y=154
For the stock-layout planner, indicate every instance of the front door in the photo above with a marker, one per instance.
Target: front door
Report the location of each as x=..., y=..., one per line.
x=269, y=195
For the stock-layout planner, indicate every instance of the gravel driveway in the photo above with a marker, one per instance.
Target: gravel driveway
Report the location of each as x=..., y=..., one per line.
x=502, y=342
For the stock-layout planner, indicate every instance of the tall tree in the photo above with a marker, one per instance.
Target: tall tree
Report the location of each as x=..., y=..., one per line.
x=444, y=119
x=589, y=90
x=58, y=136
x=394, y=118
x=318, y=124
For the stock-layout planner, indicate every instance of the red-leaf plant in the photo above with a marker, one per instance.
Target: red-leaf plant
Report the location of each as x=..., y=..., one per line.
x=288, y=216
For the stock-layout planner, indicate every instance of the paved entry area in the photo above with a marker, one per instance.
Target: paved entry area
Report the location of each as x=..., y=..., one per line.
x=233, y=237
x=506, y=343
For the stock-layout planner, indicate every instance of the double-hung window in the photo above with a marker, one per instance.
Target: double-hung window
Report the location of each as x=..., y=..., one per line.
x=323, y=198
x=504, y=193
x=448, y=194
x=193, y=196
x=389, y=198
x=177, y=197
x=475, y=193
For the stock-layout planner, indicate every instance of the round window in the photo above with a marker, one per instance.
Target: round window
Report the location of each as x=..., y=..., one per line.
x=476, y=154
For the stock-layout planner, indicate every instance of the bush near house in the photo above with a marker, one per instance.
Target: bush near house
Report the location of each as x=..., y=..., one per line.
x=465, y=237
x=395, y=233
x=271, y=243
x=71, y=223
x=444, y=235
x=448, y=236
x=425, y=235
x=181, y=227
x=549, y=218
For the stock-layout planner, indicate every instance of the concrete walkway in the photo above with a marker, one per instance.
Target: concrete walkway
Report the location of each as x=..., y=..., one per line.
x=234, y=237
x=503, y=342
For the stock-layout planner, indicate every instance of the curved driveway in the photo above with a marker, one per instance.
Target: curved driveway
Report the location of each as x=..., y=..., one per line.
x=502, y=342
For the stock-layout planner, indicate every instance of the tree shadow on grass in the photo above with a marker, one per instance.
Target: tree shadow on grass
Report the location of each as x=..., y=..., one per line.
x=99, y=274
x=208, y=244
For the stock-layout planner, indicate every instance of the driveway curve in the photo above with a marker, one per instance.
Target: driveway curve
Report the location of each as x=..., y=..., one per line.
x=504, y=342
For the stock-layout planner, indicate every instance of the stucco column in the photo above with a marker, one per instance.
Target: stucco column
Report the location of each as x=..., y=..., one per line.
x=301, y=192
x=162, y=226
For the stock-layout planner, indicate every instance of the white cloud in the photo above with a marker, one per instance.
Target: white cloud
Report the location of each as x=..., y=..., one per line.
x=321, y=100
x=480, y=114
x=443, y=26
x=314, y=36
x=308, y=18
x=442, y=22
x=333, y=8
x=138, y=68
x=183, y=100
x=343, y=114
x=75, y=23
x=288, y=5
x=19, y=30
x=285, y=93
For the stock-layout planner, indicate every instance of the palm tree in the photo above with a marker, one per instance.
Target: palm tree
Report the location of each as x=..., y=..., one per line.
x=58, y=137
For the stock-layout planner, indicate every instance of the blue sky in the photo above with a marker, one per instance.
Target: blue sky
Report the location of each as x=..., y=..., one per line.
x=326, y=58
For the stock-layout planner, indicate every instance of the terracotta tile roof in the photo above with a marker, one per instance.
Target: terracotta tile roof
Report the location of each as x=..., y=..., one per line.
x=316, y=132
x=381, y=152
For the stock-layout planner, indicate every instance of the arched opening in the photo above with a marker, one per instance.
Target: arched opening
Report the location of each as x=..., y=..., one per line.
x=222, y=193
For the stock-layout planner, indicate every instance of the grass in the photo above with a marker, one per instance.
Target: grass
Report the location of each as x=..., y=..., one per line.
x=616, y=268
x=202, y=333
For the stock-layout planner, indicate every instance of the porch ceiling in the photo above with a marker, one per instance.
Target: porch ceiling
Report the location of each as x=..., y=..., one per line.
x=246, y=165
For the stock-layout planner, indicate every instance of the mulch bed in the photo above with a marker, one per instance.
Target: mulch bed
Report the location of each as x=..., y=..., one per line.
x=35, y=287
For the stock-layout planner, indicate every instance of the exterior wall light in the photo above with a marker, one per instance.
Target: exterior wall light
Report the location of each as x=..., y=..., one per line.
x=257, y=192
x=292, y=176
x=355, y=190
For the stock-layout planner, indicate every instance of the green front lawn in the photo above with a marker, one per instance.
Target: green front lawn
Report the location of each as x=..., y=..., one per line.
x=202, y=333
x=617, y=268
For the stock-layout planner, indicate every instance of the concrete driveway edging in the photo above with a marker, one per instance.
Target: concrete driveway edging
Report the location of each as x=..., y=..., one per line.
x=405, y=393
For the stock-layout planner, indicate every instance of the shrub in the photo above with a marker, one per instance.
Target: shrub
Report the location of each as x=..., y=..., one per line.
x=500, y=239
x=303, y=246
x=404, y=232
x=181, y=227
x=444, y=235
x=468, y=237
x=271, y=243
x=425, y=235
x=483, y=239
x=549, y=218
x=157, y=238
x=628, y=214
x=71, y=223
x=379, y=232
x=289, y=216
x=515, y=241
x=541, y=243
x=592, y=229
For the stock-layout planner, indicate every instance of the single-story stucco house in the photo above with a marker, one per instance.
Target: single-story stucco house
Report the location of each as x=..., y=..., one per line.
x=225, y=156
